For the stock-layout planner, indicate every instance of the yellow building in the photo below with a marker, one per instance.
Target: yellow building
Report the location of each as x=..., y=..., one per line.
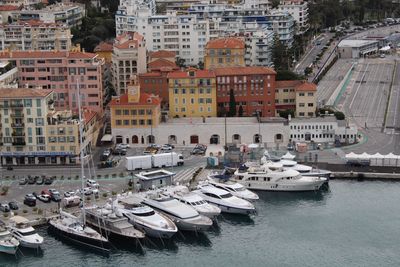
x=306, y=98
x=135, y=110
x=104, y=50
x=192, y=93
x=224, y=52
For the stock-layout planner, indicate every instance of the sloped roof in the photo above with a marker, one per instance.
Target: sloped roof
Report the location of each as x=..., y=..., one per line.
x=306, y=87
x=123, y=100
x=249, y=70
x=161, y=63
x=287, y=84
x=104, y=47
x=23, y=92
x=162, y=54
x=227, y=42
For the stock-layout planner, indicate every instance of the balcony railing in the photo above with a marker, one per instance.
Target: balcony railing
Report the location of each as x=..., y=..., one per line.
x=15, y=134
x=19, y=143
x=16, y=105
x=17, y=115
x=17, y=125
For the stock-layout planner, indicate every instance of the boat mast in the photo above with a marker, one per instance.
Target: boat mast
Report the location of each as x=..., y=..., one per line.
x=81, y=151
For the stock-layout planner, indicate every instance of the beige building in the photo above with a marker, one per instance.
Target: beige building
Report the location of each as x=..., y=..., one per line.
x=296, y=95
x=224, y=52
x=128, y=59
x=35, y=35
x=32, y=132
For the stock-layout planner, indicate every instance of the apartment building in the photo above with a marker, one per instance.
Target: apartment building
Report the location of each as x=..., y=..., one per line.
x=104, y=50
x=32, y=132
x=224, y=52
x=6, y=11
x=192, y=93
x=253, y=88
x=135, y=110
x=68, y=14
x=35, y=35
x=8, y=75
x=296, y=95
x=298, y=9
x=61, y=72
x=128, y=59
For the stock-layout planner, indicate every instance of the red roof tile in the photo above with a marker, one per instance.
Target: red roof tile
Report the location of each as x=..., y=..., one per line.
x=9, y=8
x=306, y=87
x=104, y=47
x=160, y=63
x=228, y=42
x=127, y=40
x=287, y=84
x=88, y=115
x=23, y=92
x=162, y=54
x=197, y=74
x=151, y=74
x=123, y=100
x=243, y=71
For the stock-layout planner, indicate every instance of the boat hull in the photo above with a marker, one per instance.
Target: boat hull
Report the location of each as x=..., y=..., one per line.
x=25, y=244
x=8, y=249
x=153, y=232
x=112, y=234
x=265, y=186
x=79, y=240
x=233, y=210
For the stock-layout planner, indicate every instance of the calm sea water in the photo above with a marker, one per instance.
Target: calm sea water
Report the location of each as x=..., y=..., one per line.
x=352, y=224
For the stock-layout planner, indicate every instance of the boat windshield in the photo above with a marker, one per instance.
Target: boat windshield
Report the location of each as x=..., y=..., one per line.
x=239, y=189
x=227, y=195
x=196, y=203
x=28, y=233
x=145, y=214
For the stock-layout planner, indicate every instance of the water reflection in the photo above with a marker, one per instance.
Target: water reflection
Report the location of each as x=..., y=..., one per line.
x=292, y=197
x=193, y=238
x=237, y=219
x=161, y=244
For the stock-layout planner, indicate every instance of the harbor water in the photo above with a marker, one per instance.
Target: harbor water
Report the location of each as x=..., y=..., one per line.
x=351, y=224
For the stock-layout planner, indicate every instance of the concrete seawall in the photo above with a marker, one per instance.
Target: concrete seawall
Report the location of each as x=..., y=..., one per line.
x=366, y=176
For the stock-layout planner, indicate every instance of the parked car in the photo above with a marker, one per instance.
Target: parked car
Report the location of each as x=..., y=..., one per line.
x=4, y=207
x=119, y=151
x=92, y=183
x=198, y=151
x=30, y=200
x=122, y=146
x=48, y=180
x=13, y=205
x=106, y=154
x=23, y=181
x=69, y=193
x=32, y=179
x=40, y=180
x=290, y=147
x=87, y=191
x=44, y=198
x=45, y=192
x=54, y=195
x=201, y=146
x=166, y=148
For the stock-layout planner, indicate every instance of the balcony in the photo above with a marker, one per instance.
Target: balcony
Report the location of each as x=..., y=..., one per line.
x=16, y=105
x=17, y=115
x=19, y=143
x=17, y=125
x=15, y=134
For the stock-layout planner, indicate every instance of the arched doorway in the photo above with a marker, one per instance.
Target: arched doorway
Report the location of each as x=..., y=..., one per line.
x=214, y=139
x=278, y=138
x=236, y=139
x=135, y=139
x=142, y=139
x=151, y=139
x=119, y=139
x=172, y=139
x=257, y=138
x=194, y=139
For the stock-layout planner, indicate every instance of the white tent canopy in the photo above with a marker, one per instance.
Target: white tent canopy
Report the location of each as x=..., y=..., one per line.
x=352, y=155
x=385, y=48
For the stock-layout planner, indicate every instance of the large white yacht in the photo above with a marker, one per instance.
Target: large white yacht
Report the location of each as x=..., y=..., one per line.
x=184, y=216
x=264, y=178
x=8, y=243
x=225, y=200
x=146, y=219
x=26, y=234
x=182, y=194
x=223, y=181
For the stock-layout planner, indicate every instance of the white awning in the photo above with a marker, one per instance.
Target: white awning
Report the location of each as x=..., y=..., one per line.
x=107, y=138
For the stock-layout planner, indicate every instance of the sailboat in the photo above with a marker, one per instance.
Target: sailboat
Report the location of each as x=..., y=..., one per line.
x=72, y=228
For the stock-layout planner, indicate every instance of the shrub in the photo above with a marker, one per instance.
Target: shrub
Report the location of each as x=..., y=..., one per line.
x=24, y=211
x=76, y=176
x=88, y=198
x=15, y=213
x=40, y=211
x=62, y=177
x=98, y=175
x=114, y=175
x=113, y=193
x=106, y=176
x=96, y=196
x=121, y=174
x=105, y=195
x=34, y=209
x=69, y=178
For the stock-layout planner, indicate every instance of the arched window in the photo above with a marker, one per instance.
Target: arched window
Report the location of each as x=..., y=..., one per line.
x=135, y=139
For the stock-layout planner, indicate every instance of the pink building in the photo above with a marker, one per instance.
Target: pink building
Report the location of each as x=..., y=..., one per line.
x=62, y=72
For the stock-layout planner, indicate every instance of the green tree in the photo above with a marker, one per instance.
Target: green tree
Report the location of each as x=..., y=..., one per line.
x=232, y=104
x=307, y=71
x=339, y=115
x=284, y=75
x=275, y=3
x=240, y=111
x=278, y=54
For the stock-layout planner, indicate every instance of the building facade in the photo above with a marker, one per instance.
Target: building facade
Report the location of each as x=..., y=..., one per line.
x=35, y=35
x=253, y=88
x=224, y=52
x=357, y=48
x=68, y=14
x=128, y=59
x=135, y=110
x=61, y=72
x=192, y=93
x=298, y=9
x=32, y=132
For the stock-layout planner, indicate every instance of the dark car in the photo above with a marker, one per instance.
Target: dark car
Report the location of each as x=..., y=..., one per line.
x=13, y=205
x=48, y=180
x=54, y=195
x=23, y=181
x=40, y=180
x=32, y=179
x=198, y=151
x=4, y=207
x=30, y=200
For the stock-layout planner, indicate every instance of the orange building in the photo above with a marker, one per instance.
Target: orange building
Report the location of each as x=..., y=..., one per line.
x=224, y=52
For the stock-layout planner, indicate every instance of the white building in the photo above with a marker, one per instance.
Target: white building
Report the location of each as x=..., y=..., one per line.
x=258, y=47
x=35, y=35
x=8, y=75
x=322, y=130
x=357, y=48
x=191, y=131
x=187, y=34
x=299, y=11
x=68, y=14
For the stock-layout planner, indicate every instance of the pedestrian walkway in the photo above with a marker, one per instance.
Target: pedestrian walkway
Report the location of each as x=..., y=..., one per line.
x=185, y=175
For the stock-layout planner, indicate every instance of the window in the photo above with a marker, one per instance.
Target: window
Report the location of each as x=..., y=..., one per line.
x=118, y=122
x=310, y=94
x=301, y=94
x=301, y=104
x=310, y=104
x=133, y=112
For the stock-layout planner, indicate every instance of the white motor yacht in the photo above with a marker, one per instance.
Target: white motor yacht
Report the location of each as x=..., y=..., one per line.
x=8, y=243
x=184, y=216
x=223, y=181
x=225, y=200
x=145, y=218
x=26, y=234
x=277, y=179
x=182, y=194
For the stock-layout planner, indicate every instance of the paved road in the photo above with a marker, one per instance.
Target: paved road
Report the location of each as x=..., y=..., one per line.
x=393, y=114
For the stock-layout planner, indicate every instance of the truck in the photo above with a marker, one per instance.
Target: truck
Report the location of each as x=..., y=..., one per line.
x=153, y=161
